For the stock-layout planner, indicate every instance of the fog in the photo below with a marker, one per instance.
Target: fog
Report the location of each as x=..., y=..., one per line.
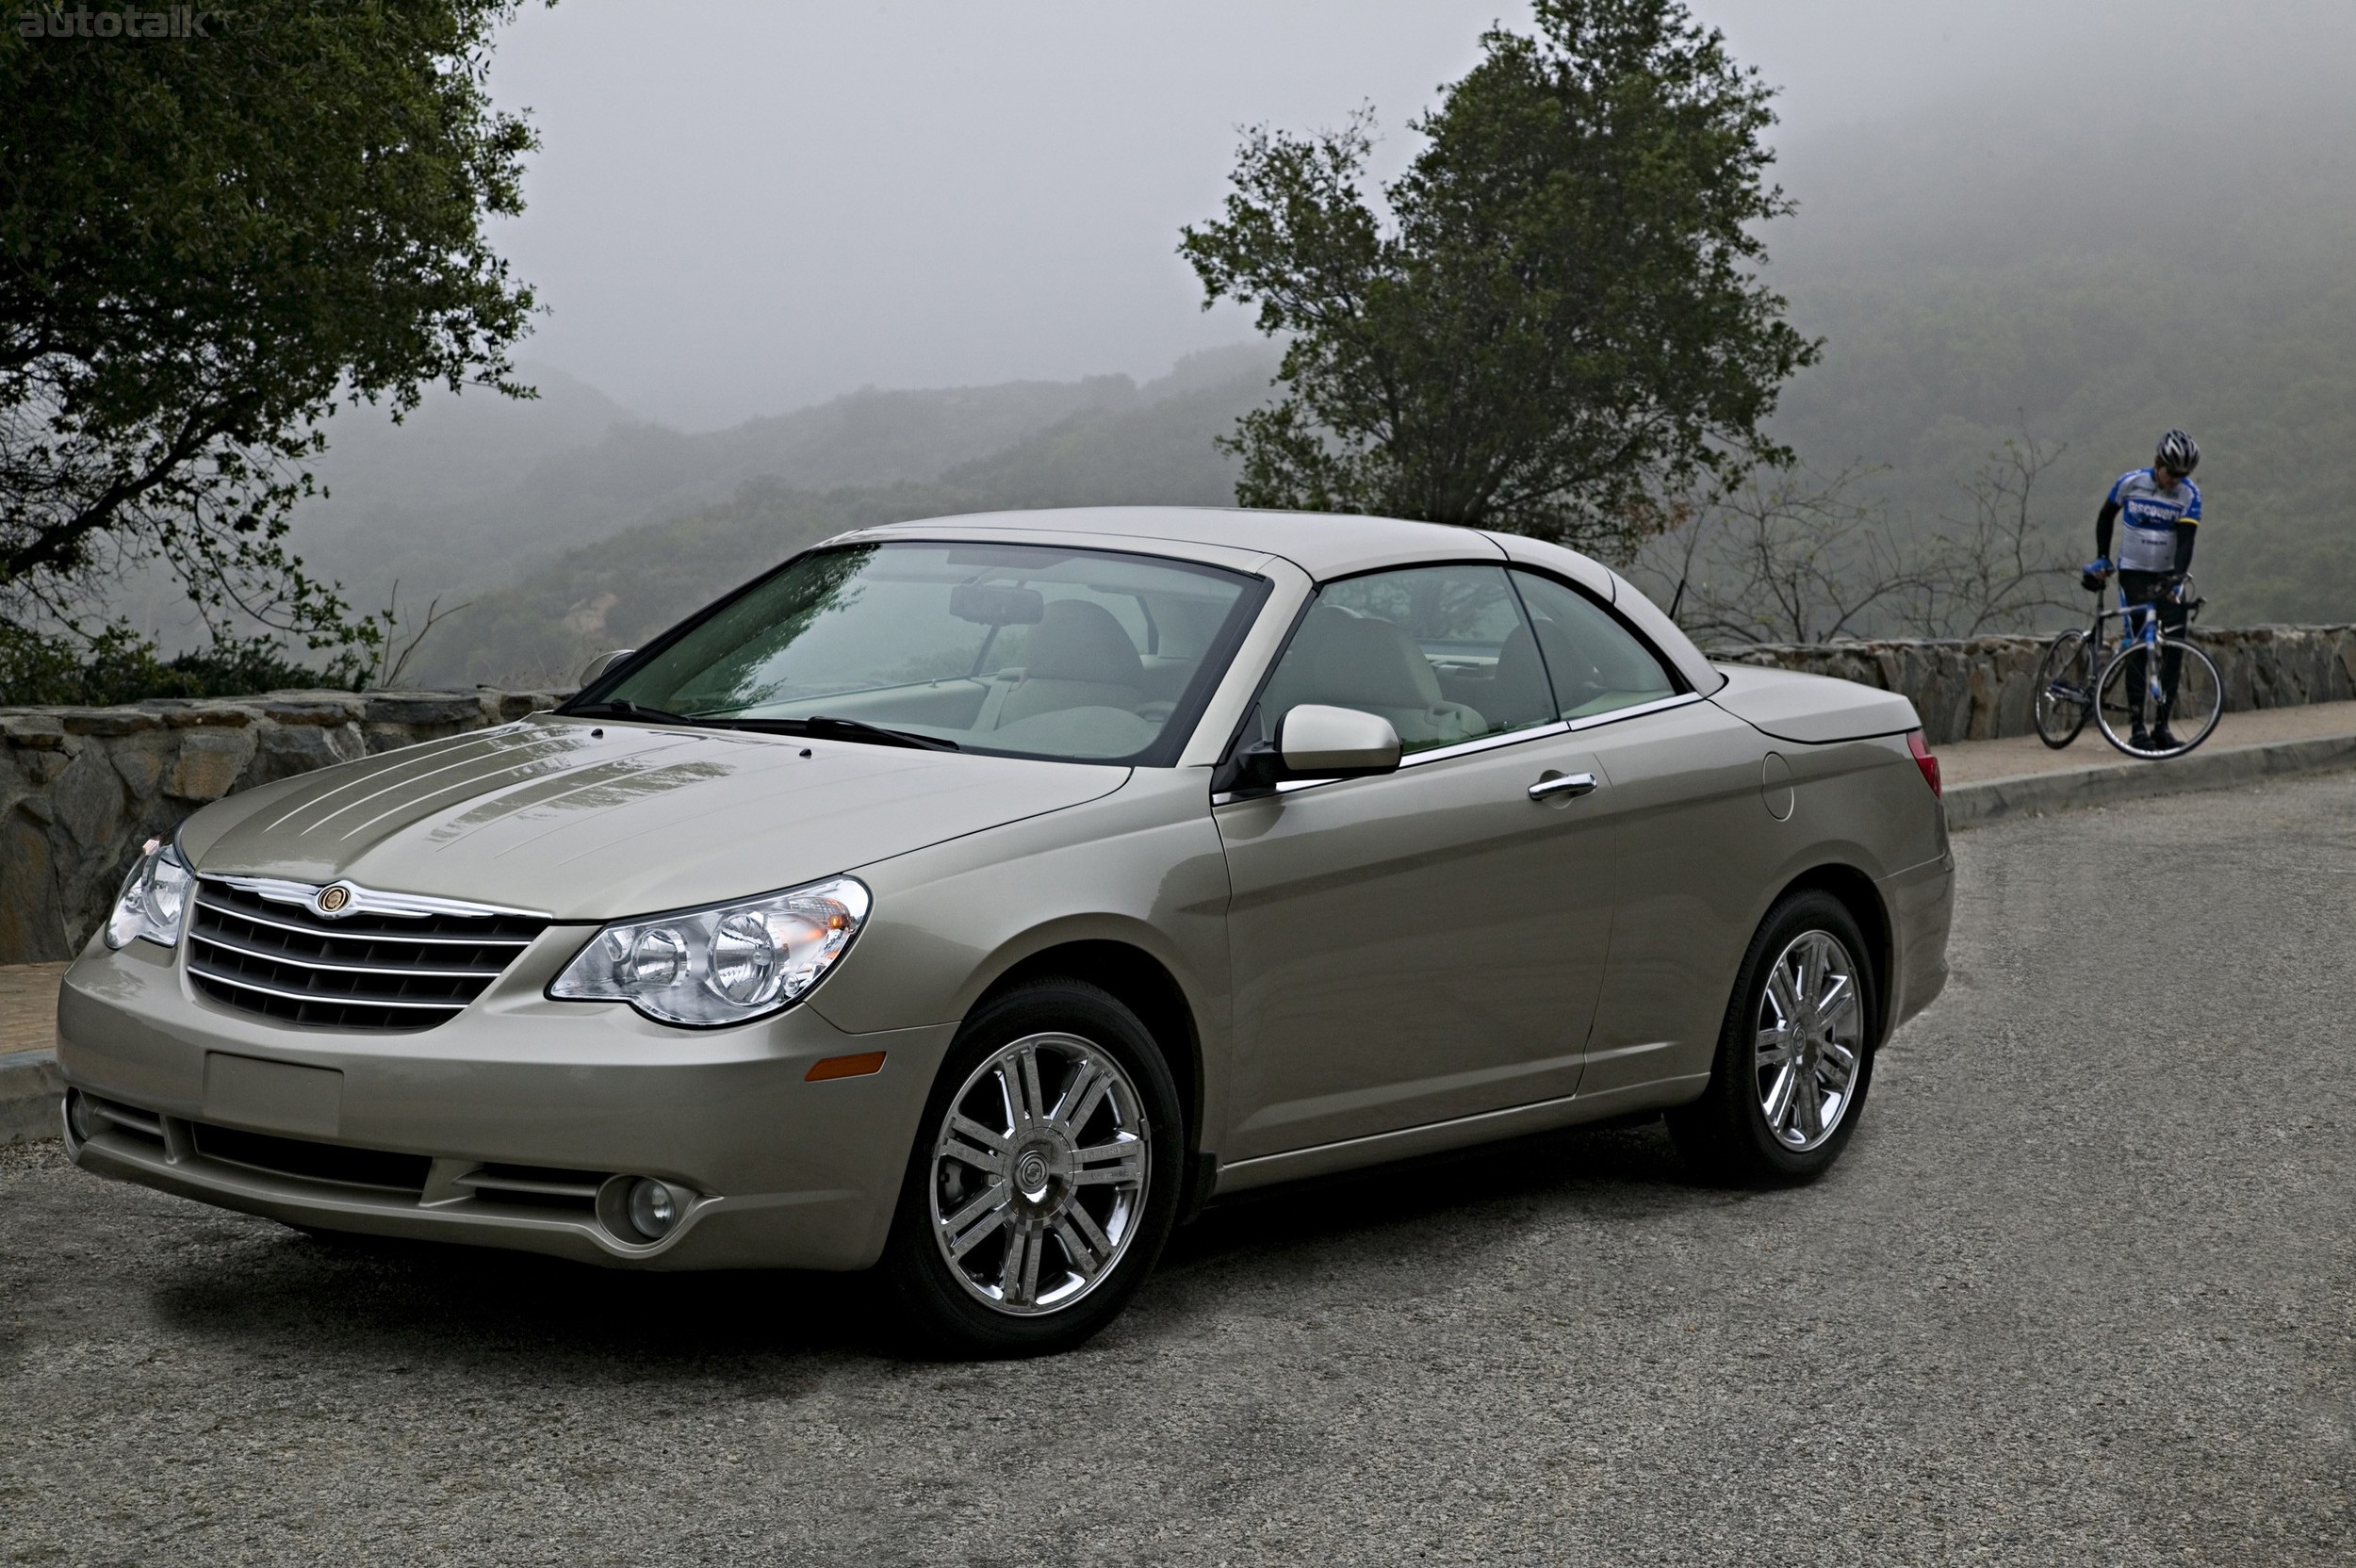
x=2082, y=223
x=743, y=208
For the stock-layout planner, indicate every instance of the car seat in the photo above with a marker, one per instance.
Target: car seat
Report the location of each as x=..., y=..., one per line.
x=1357, y=662
x=1078, y=657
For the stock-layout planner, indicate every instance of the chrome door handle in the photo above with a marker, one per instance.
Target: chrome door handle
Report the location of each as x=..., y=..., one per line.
x=1569, y=784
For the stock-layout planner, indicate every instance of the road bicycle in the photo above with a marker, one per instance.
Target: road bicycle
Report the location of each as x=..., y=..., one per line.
x=2125, y=692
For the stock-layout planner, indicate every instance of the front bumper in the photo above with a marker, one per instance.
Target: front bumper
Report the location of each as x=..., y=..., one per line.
x=473, y=1118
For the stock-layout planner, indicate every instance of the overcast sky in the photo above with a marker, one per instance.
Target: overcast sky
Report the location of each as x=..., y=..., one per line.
x=740, y=207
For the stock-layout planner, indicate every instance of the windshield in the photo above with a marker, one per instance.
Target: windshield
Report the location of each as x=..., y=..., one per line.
x=1082, y=655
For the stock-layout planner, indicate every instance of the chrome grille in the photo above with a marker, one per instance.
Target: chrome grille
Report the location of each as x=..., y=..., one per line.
x=391, y=964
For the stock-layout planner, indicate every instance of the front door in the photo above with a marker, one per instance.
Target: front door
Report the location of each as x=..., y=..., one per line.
x=1431, y=943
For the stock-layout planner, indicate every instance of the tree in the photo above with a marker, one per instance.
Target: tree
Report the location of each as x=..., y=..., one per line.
x=1796, y=558
x=207, y=243
x=1556, y=318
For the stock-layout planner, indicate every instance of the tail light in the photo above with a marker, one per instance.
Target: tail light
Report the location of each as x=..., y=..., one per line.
x=1923, y=759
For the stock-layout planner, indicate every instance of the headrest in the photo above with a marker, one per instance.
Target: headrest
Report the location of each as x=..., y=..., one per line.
x=1366, y=664
x=1075, y=640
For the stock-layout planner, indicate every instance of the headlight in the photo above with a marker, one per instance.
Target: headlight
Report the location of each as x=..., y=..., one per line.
x=154, y=898
x=723, y=964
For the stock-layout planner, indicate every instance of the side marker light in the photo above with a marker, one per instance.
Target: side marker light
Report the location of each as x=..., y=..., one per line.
x=844, y=1066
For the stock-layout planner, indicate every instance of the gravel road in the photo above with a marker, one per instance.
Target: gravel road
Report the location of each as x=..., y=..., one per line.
x=2081, y=1292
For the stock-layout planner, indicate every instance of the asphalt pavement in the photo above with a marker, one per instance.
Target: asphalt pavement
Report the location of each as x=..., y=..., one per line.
x=2082, y=1291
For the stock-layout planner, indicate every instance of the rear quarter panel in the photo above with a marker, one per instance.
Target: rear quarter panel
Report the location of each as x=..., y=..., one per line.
x=1703, y=872
x=1864, y=804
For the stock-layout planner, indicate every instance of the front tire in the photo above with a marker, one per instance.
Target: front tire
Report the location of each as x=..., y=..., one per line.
x=2127, y=707
x=1796, y=1055
x=1045, y=1180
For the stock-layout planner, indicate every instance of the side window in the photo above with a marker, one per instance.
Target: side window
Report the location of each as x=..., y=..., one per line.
x=1596, y=665
x=1443, y=652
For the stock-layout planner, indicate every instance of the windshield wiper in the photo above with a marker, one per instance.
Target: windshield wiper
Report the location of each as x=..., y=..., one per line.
x=817, y=723
x=840, y=729
x=622, y=708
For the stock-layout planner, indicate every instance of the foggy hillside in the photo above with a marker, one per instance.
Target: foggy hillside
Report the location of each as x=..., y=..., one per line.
x=1149, y=444
x=2098, y=273
x=477, y=486
x=2090, y=268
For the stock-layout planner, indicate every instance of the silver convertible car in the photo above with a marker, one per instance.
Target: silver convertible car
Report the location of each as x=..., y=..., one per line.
x=971, y=900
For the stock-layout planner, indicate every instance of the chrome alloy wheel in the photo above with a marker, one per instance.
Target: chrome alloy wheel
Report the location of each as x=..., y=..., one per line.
x=1811, y=1037
x=1038, y=1175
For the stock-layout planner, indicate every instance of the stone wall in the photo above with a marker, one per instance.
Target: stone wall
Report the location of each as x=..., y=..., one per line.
x=1979, y=689
x=81, y=789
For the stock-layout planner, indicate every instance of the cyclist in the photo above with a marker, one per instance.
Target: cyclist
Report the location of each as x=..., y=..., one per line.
x=2162, y=509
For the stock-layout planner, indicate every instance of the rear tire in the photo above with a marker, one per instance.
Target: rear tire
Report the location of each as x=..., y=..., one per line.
x=2064, y=689
x=1796, y=1055
x=1045, y=1180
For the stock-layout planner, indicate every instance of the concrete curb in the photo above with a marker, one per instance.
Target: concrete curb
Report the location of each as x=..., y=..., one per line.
x=1971, y=804
x=30, y=1089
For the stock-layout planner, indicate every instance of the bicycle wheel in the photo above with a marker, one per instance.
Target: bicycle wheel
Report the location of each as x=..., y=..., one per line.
x=2128, y=704
x=2065, y=690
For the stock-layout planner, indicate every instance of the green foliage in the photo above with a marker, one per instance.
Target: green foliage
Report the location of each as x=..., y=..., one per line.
x=118, y=665
x=1558, y=318
x=205, y=244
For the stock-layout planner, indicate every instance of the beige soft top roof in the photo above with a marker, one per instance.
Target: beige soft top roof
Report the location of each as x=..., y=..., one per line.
x=1324, y=545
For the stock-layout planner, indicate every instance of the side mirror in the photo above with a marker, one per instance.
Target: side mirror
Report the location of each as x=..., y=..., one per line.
x=1317, y=741
x=603, y=662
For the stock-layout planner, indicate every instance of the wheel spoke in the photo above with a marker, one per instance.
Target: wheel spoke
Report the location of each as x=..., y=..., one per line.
x=1840, y=1064
x=962, y=1238
x=1078, y=1216
x=1781, y=997
x=1778, y=1101
x=980, y=1159
x=1089, y=1085
x=1034, y=1105
x=1837, y=993
x=988, y=1138
x=1808, y=1104
x=1010, y=1269
x=1775, y=1047
x=1089, y=1171
x=1084, y=1258
x=1812, y=974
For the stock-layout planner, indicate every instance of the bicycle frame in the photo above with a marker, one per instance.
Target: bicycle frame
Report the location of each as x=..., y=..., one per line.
x=2148, y=632
x=2141, y=626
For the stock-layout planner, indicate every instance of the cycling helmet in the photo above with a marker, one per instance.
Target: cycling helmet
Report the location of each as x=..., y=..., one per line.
x=2177, y=452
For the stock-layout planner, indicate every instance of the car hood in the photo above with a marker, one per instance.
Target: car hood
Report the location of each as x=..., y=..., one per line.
x=594, y=823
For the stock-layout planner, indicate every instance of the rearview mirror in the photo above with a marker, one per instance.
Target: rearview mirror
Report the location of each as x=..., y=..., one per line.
x=997, y=604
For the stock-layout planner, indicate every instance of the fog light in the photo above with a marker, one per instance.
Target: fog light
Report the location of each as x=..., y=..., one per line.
x=80, y=1118
x=653, y=1208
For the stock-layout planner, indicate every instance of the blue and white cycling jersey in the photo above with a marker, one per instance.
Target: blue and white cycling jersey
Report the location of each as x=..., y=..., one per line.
x=2151, y=514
